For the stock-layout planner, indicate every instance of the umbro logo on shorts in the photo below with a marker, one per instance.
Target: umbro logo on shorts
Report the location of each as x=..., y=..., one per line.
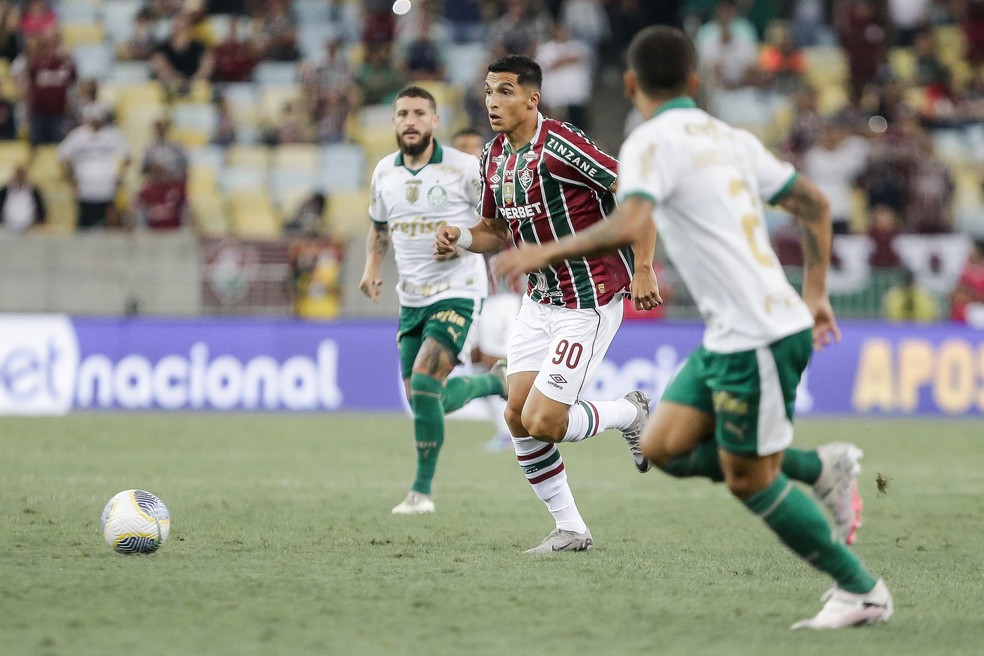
x=557, y=378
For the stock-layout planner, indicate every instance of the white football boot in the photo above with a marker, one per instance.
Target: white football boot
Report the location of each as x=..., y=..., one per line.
x=633, y=434
x=844, y=609
x=563, y=540
x=415, y=504
x=837, y=487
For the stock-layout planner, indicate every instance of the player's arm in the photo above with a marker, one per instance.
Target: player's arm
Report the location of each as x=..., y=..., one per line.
x=487, y=236
x=623, y=228
x=810, y=208
x=644, y=288
x=377, y=245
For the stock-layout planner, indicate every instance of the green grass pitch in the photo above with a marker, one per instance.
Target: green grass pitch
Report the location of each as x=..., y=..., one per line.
x=282, y=542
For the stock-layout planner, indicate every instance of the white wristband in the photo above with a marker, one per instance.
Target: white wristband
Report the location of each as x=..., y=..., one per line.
x=465, y=239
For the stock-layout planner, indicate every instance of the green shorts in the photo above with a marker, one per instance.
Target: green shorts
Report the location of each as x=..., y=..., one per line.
x=448, y=322
x=750, y=393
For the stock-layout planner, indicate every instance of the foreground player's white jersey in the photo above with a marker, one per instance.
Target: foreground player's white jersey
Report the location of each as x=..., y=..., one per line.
x=414, y=203
x=708, y=181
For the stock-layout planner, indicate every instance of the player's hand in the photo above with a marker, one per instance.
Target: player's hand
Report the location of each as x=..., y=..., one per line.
x=825, y=329
x=444, y=257
x=371, y=285
x=644, y=290
x=513, y=263
x=446, y=241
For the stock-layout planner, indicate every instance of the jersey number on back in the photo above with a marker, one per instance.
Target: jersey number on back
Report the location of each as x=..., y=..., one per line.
x=750, y=222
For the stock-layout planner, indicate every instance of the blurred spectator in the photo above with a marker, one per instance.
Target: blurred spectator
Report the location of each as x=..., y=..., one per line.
x=316, y=276
x=226, y=129
x=929, y=67
x=806, y=127
x=522, y=26
x=94, y=156
x=327, y=90
x=967, y=299
x=860, y=26
x=906, y=301
x=834, y=164
x=181, y=60
x=235, y=59
x=566, y=89
x=809, y=22
x=51, y=74
x=162, y=201
x=308, y=220
x=883, y=227
x=9, y=29
x=293, y=126
x=586, y=22
x=907, y=18
x=38, y=18
x=786, y=243
x=890, y=163
x=21, y=205
x=278, y=36
x=464, y=17
x=929, y=201
x=469, y=140
x=377, y=79
x=165, y=8
x=422, y=44
x=378, y=23
x=165, y=159
x=890, y=102
x=970, y=13
x=142, y=42
x=8, y=120
x=781, y=65
x=86, y=93
x=727, y=47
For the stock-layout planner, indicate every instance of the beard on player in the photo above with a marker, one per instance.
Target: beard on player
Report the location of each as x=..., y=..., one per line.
x=414, y=149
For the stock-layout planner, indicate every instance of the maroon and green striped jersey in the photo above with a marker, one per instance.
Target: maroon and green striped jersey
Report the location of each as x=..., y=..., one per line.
x=554, y=186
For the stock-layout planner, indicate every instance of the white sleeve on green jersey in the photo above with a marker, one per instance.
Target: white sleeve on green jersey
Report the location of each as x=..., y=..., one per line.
x=377, y=210
x=644, y=168
x=775, y=177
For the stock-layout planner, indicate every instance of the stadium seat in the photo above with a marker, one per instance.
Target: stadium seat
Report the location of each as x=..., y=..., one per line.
x=202, y=178
x=93, y=60
x=270, y=73
x=62, y=208
x=129, y=72
x=209, y=213
x=244, y=99
x=253, y=215
x=240, y=178
x=465, y=63
x=44, y=165
x=295, y=157
x=274, y=97
x=903, y=64
x=289, y=190
x=257, y=157
x=210, y=156
x=825, y=65
x=312, y=11
x=342, y=167
x=194, y=123
x=80, y=34
x=77, y=11
x=951, y=43
x=348, y=213
x=141, y=95
x=118, y=19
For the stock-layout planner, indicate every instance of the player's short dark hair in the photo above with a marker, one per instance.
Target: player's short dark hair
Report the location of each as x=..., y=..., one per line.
x=662, y=59
x=528, y=72
x=414, y=91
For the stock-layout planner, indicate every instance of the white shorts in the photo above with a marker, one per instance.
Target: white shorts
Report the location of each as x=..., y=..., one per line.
x=498, y=316
x=565, y=346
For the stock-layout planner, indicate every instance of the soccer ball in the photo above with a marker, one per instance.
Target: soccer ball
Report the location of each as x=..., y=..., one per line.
x=135, y=521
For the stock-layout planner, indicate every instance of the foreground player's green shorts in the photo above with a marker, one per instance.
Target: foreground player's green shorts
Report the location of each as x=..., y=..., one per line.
x=750, y=393
x=448, y=322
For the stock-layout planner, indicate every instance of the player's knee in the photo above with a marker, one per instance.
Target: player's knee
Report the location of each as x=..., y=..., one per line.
x=543, y=427
x=653, y=451
x=744, y=484
x=424, y=388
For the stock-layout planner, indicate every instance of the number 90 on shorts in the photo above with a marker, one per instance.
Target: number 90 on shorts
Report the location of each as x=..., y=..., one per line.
x=565, y=346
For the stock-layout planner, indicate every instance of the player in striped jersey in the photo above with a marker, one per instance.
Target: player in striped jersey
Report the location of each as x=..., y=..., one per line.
x=543, y=179
x=727, y=414
x=414, y=190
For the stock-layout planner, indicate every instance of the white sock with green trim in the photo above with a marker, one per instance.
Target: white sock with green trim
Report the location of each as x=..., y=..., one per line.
x=588, y=418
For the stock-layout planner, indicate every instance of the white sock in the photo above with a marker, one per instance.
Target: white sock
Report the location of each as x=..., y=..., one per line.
x=544, y=469
x=588, y=418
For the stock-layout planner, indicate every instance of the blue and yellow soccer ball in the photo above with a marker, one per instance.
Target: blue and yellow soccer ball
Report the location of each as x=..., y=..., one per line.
x=135, y=521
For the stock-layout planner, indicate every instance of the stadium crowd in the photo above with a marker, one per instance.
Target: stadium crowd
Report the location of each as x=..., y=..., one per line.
x=243, y=115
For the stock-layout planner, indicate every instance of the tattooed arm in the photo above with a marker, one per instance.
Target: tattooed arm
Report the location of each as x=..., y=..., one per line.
x=811, y=210
x=377, y=244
